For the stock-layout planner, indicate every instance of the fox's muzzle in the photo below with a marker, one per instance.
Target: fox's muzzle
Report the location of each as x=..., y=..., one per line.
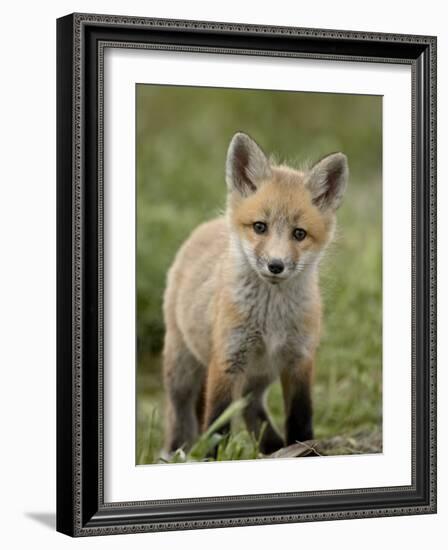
x=276, y=266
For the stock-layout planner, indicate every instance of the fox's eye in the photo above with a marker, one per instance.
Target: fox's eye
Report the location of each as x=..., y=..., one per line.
x=260, y=227
x=299, y=234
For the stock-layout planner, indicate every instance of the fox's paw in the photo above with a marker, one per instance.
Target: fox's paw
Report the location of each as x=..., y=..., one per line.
x=271, y=442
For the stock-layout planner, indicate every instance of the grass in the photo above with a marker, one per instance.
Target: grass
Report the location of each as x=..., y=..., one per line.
x=210, y=445
x=182, y=136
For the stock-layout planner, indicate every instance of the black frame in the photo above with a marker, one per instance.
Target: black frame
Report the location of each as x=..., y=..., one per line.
x=81, y=39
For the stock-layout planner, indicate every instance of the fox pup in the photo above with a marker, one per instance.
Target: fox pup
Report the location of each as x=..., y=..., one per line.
x=242, y=303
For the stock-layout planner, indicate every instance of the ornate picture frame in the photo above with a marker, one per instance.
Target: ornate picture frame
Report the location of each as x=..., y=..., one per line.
x=81, y=506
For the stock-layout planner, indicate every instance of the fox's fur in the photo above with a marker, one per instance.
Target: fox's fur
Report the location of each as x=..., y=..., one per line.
x=234, y=322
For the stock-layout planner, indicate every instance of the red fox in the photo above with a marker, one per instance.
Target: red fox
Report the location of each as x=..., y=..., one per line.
x=242, y=303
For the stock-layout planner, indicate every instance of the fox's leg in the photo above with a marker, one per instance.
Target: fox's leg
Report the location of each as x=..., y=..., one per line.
x=221, y=386
x=184, y=379
x=228, y=362
x=296, y=383
x=255, y=416
x=219, y=392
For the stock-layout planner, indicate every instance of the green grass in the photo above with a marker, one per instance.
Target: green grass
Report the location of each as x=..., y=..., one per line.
x=182, y=137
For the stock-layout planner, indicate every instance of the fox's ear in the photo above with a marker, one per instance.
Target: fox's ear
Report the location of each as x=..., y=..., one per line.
x=246, y=165
x=327, y=181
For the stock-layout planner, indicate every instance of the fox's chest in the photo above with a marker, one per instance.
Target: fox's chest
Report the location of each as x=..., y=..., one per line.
x=276, y=332
x=276, y=348
x=276, y=323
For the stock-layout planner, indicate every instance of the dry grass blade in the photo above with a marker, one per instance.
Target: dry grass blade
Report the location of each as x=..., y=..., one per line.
x=305, y=448
x=360, y=443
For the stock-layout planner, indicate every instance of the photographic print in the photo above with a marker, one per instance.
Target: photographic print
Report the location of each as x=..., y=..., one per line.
x=246, y=274
x=258, y=274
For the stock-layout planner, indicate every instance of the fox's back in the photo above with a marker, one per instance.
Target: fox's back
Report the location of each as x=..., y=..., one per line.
x=192, y=284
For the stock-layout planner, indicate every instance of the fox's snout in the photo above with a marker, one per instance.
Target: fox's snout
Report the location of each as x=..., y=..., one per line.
x=276, y=255
x=276, y=266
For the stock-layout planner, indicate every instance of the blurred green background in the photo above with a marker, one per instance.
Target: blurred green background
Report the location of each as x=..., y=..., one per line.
x=182, y=139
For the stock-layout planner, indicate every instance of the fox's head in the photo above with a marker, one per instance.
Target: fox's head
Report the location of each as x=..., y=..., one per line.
x=281, y=219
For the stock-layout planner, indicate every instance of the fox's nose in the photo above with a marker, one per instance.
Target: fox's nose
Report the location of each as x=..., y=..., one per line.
x=276, y=266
